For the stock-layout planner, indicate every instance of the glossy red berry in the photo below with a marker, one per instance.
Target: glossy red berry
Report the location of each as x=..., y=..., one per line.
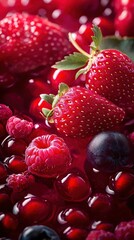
x=73, y=186
x=12, y=146
x=101, y=206
x=32, y=210
x=15, y=164
x=73, y=217
x=123, y=184
x=71, y=233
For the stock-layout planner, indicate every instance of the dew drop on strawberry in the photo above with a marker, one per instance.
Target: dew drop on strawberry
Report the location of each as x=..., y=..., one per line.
x=109, y=151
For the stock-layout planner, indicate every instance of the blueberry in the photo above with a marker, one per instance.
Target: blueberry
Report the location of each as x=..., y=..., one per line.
x=109, y=151
x=38, y=232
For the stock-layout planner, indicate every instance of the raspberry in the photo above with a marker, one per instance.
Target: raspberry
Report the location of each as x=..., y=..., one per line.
x=18, y=128
x=47, y=156
x=20, y=182
x=125, y=230
x=5, y=112
x=100, y=235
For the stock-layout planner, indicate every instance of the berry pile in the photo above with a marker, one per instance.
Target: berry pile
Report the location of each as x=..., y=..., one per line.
x=66, y=120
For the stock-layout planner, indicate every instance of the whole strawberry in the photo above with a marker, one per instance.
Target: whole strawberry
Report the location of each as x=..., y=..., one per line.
x=112, y=76
x=78, y=112
x=28, y=42
x=109, y=73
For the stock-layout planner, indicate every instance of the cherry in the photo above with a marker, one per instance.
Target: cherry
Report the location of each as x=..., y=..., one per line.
x=101, y=206
x=12, y=146
x=8, y=222
x=124, y=22
x=72, y=233
x=38, y=130
x=58, y=76
x=106, y=25
x=101, y=225
x=36, y=108
x=74, y=217
x=122, y=184
x=32, y=210
x=73, y=187
x=15, y=164
x=35, y=86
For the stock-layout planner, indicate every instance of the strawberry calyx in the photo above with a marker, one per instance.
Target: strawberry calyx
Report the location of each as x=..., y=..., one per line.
x=81, y=60
x=53, y=99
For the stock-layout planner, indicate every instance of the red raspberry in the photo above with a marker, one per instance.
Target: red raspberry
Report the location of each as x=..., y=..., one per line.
x=20, y=182
x=47, y=156
x=5, y=112
x=100, y=235
x=18, y=128
x=125, y=230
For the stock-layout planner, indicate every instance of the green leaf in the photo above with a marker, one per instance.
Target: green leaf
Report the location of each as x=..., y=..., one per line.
x=72, y=61
x=63, y=88
x=47, y=97
x=45, y=111
x=125, y=45
x=97, y=38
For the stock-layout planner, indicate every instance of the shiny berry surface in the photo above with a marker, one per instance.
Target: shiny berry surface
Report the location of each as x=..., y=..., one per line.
x=66, y=160
x=109, y=151
x=37, y=232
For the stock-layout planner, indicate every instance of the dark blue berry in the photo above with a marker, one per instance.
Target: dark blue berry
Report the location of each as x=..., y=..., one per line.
x=109, y=151
x=38, y=232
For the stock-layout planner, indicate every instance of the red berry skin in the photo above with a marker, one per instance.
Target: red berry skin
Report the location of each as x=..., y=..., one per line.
x=37, y=43
x=15, y=164
x=36, y=86
x=73, y=217
x=125, y=230
x=100, y=234
x=80, y=112
x=123, y=184
x=71, y=233
x=121, y=4
x=32, y=209
x=124, y=22
x=106, y=25
x=48, y=156
x=18, y=128
x=5, y=112
x=73, y=187
x=36, y=106
x=20, y=182
x=112, y=70
x=101, y=206
x=8, y=222
x=12, y=146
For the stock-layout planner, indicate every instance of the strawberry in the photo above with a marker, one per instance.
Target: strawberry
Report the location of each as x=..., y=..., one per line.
x=112, y=76
x=28, y=42
x=109, y=72
x=78, y=112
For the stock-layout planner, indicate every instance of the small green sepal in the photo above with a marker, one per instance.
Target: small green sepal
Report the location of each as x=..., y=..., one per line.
x=72, y=61
x=47, y=97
